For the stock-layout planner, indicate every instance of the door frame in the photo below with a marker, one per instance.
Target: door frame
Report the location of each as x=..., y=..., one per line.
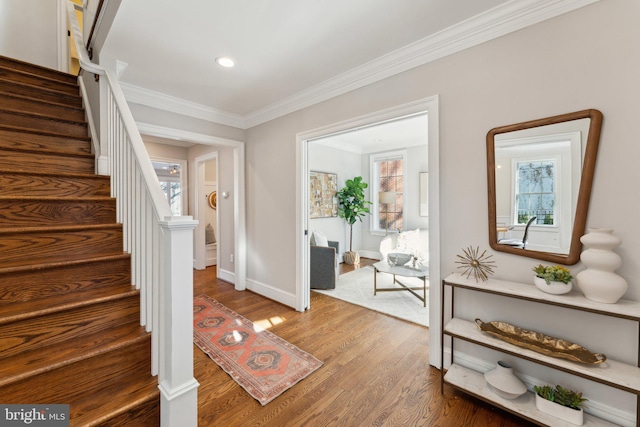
x=239, y=276
x=428, y=105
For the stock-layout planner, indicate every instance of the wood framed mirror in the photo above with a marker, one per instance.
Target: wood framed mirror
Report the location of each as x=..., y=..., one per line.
x=540, y=175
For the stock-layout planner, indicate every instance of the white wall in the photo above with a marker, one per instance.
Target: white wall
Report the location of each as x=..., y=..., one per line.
x=346, y=165
x=28, y=31
x=585, y=59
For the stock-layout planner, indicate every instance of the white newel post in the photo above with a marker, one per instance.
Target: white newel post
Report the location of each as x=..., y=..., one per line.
x=178, y=387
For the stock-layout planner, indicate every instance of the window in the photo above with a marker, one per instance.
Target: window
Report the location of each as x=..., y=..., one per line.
x=536, y=191
x=169, y=175
x=387, y=174
x=172, y=192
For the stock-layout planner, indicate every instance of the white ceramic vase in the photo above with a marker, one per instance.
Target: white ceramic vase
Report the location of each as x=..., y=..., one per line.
x=599, y=282
x=504, y=382
x=553, y=287
x=570, y=415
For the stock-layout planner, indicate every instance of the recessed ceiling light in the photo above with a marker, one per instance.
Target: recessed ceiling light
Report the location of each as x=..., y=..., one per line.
x=226, y=62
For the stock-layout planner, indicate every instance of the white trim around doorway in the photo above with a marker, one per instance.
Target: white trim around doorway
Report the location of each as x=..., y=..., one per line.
x=239, y=276
x=427, y=105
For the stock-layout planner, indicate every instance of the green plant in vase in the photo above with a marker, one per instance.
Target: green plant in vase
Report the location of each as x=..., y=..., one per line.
x=553, y=279
x=561, y=396
x=553, y=273
x=561, y=403
x=352, y=206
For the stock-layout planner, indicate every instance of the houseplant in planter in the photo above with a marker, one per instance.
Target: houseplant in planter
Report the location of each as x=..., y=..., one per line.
x=352, y=206
x=552, y=279
x=561, y=403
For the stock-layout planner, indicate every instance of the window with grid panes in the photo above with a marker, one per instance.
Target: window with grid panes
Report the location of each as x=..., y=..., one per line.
x=536, y=192
x=390, y=177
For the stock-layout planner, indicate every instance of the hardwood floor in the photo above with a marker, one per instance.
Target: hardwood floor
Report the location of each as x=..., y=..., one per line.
x=376, y=370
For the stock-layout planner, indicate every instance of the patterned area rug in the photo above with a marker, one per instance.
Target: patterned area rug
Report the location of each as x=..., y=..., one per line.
x=262, y=363
x=356, y=287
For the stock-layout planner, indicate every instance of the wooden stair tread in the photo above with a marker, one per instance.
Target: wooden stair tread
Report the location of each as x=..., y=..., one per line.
x=29, y=363
x=24, y=97
x=58, y=198
x=9, y=171
x=46, y=94
x=124, y=368
x=145, y=413
x=48, y=133
x=116, y=400
x=22, y=134
x=62, y=259
x=54, y=185
x=26, y=245
x=17, y=64
x=61, y=263
x=39, y=115
x=58, y=229
x=21, y=310
x=43, y=81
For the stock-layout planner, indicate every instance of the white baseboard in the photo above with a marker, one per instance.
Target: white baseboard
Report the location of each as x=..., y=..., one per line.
x=227, y=276
x=270, y=292
x=260, y=288
x=595, y=408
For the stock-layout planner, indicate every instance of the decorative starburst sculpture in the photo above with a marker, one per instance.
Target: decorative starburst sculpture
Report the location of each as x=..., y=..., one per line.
x=479, y=266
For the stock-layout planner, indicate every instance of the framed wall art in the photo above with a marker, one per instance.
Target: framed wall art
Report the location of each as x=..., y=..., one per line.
x=323, y=202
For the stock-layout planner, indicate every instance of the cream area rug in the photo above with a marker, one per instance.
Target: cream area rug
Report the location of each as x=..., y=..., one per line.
x=356, y=287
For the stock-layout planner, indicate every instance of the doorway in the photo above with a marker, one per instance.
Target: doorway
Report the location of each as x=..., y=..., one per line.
x=428, y=106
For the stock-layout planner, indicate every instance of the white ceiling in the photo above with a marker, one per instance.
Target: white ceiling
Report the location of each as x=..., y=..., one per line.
x=292, y=53
x=400, y=133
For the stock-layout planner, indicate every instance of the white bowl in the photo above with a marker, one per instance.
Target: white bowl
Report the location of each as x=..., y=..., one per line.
x=398, y=258
x=555, y=288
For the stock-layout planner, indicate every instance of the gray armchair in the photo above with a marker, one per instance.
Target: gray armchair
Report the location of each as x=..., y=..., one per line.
x=324, y=266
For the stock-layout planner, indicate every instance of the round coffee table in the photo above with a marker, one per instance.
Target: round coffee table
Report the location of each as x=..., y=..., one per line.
x=403, y=271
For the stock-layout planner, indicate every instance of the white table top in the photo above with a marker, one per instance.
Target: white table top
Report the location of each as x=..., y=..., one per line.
x=402, y=270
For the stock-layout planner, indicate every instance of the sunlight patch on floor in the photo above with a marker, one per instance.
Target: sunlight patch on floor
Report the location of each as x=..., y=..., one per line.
x=261, y=325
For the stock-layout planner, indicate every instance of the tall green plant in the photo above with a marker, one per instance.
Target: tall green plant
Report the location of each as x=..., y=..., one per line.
x=352, y=205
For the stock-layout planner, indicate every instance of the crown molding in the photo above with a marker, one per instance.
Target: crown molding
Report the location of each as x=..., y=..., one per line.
x=504, y=19
x=501, y=20
x=139, y=95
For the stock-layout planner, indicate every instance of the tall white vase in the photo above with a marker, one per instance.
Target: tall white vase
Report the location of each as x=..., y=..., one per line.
x=599, y=282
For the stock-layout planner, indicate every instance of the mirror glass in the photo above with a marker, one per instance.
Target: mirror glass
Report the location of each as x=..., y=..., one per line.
x=539, y=184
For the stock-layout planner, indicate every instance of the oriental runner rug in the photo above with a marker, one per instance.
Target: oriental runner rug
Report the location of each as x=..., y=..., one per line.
x=262, y=363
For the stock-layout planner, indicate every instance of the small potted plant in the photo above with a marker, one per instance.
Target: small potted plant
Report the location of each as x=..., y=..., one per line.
x=561, y=403
x=552, y=279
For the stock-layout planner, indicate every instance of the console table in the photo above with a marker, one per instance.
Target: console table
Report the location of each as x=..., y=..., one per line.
x=614, y=374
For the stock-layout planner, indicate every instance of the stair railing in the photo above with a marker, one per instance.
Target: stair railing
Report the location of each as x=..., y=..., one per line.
x=161, y=245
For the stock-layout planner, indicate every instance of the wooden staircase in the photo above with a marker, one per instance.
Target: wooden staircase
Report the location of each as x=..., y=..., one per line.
x=69, y=317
